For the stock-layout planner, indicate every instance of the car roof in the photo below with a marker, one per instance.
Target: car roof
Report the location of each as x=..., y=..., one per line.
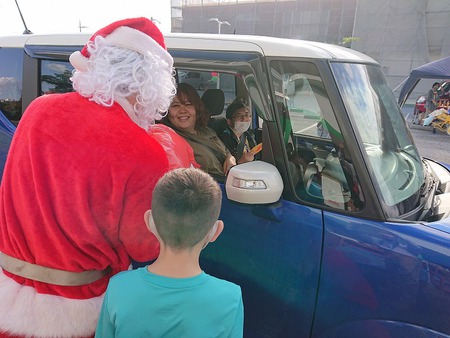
x=267, y=46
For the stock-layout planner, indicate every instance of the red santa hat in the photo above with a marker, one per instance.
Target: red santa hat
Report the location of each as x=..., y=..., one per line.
x=138, y=34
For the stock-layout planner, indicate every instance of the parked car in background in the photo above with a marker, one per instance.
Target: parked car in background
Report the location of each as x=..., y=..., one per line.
x=338, y=234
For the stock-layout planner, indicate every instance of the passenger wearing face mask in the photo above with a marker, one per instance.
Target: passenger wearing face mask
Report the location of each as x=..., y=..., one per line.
x=237, y=137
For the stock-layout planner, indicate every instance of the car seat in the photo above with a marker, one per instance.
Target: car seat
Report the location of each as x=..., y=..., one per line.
x=214, y=100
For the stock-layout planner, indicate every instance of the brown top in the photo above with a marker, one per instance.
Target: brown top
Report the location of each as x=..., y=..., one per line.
x=209, y=150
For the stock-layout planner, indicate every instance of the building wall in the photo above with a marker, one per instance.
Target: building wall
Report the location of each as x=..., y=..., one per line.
x=318, y=20
x=400, y=34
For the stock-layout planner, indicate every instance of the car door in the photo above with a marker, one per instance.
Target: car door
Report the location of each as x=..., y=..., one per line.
x=273, y=251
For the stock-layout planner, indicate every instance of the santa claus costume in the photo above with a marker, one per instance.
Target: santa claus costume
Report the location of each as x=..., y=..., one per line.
x=78, y=179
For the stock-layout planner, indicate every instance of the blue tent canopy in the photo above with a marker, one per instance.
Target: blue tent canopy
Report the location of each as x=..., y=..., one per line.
x=439, y=69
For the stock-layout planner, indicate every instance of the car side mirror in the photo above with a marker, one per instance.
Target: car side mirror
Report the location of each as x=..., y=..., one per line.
x=255, y=182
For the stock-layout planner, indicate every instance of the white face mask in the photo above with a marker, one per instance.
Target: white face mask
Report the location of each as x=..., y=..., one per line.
x=241, y=127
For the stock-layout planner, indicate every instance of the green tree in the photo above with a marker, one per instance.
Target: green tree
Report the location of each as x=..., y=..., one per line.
x=59, y=82
x=347, y=41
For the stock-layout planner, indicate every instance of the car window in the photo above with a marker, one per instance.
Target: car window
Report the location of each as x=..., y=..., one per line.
x=55, y=77
x=320, y=165
x=204, y=80
x=199, y=80
x=11, y=60
x=392, y=159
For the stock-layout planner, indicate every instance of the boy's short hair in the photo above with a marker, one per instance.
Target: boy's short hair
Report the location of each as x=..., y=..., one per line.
x=185, y=205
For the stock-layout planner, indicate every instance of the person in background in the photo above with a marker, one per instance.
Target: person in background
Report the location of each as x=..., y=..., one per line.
x=431, y=103
x=173, y=297
x=79, y=176
x=188, y=117
x=237, y=137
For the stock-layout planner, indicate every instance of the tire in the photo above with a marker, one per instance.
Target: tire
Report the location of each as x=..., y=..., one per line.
x=448, y=130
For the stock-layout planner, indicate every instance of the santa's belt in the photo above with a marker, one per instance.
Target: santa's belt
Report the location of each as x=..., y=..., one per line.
x=48, y=275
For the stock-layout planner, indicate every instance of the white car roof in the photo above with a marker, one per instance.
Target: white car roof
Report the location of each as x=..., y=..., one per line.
x=268, y=46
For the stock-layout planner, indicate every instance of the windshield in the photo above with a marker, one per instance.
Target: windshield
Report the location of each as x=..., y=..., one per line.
x=391, y=156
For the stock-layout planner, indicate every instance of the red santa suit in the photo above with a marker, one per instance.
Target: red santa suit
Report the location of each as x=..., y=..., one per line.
x=179, y=152
x=77, y=182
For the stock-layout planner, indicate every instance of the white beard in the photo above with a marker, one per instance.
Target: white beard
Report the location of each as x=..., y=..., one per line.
x=23, y=311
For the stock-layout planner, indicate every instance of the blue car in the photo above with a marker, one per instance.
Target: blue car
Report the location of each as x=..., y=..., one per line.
x=6, y=132
x=337, y=232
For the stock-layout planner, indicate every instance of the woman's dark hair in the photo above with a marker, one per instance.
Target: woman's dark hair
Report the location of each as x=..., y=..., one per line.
x=202, y=115
x=237, y=103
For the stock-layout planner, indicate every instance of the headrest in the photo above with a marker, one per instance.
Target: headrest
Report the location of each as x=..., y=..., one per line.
x=214, y=100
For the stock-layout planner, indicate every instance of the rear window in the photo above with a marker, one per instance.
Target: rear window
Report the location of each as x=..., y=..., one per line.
x=55, y=77
x=11, y=60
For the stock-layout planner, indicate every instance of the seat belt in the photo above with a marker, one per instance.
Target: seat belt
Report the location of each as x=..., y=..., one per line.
x=240, y=146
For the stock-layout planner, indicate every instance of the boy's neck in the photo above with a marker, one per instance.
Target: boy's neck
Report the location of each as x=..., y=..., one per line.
x=176, y=264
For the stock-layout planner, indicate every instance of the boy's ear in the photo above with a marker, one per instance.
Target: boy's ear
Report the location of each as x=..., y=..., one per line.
x=219, y=228
x=148, y=218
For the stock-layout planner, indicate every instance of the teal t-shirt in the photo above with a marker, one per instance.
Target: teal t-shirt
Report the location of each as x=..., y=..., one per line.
x=141, y=304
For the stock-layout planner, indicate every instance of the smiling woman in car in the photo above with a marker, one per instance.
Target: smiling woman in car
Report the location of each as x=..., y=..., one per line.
x=188, y=116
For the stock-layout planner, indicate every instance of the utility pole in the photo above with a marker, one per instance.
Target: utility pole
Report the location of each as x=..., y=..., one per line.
x=80, y=26
x=26, y=31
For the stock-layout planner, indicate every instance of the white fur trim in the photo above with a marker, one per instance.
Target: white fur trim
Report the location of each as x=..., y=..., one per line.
x=130, y=38
x=23, y=311
x=78, y=61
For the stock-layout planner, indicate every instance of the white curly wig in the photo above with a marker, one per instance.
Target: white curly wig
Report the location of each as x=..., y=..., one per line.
x=115, y=72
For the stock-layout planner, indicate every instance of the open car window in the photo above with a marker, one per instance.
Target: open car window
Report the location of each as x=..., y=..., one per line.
x=321, y=168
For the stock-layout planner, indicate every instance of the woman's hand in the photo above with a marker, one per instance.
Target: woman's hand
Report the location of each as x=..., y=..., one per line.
x=229, y=162
x=246, y=157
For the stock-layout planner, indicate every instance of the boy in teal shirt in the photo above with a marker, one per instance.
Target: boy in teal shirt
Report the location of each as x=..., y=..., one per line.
x=173, y=297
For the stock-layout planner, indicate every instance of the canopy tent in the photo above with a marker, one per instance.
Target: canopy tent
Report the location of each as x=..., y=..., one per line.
x=439, y=69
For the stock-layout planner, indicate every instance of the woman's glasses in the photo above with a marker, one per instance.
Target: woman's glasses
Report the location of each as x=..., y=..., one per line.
x=242, y=117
